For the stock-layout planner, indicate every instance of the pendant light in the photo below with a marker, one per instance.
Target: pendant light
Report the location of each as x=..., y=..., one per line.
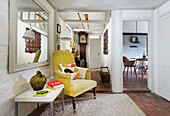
x=137, y=41
x=134, y=39
x=29, y=34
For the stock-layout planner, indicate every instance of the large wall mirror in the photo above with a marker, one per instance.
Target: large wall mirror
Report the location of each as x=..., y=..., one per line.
x=29, y=27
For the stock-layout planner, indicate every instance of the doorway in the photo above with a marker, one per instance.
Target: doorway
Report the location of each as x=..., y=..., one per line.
x=95, y=51
x=135, y=55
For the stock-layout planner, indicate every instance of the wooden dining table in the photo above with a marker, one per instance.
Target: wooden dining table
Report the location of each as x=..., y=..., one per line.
x=141, y=59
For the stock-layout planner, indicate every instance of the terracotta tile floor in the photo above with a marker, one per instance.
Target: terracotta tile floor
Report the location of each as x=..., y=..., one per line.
x=151, y=104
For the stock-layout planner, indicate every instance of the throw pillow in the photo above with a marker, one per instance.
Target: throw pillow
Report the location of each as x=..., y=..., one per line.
x=70, y=68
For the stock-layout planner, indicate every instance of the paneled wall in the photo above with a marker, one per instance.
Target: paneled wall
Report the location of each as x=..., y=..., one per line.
x=13, y=84
x=162, y=49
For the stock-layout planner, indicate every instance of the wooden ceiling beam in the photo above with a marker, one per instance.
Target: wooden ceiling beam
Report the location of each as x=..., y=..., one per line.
x=40, y=16
x=87, y=18
x=80, y=20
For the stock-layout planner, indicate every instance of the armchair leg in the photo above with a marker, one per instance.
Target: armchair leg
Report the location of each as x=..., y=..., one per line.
x=74, y=105
x=94, y=92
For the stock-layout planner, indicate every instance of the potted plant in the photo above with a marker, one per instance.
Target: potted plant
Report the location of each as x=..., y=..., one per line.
x=73, y=45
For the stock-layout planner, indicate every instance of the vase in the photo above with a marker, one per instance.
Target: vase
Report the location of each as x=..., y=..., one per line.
x=73, y=50
x=38, y=81
x=77, y=52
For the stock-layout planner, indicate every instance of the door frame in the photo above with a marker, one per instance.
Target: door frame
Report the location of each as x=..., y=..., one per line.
x=150, y=50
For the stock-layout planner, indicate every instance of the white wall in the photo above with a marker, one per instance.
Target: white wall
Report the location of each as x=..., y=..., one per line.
x=132, y=52
x=130, y=27
x=162, y=48
x=106, y=58
x=116, y=29
x=13, y=84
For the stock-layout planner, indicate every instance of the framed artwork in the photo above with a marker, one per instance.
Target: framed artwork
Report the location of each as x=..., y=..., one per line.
x=33, y=45
x=58, y=28
x=105, y=42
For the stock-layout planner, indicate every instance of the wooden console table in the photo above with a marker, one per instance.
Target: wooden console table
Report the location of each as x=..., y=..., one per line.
x=27, y=97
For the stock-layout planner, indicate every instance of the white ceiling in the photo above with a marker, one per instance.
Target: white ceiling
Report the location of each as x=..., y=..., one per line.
x=92, y=5
x=99, y=5
x=106, y=4
x=28, y=5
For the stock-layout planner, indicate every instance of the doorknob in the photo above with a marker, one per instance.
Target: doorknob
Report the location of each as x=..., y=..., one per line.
x=98, y=53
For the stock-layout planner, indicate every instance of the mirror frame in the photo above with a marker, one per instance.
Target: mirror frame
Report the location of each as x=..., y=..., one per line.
x=13, y=21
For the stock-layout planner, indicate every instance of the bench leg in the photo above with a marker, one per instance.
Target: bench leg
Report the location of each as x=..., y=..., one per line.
x=51, y=108
x=16, y=109
x=74, y=105
x=94, y=92
x=37, y=106
x=63, y=99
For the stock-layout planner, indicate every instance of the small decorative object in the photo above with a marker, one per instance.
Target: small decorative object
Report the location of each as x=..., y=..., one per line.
x=77, y=55
x=144, y=54
x=58, y=28
x=73, y=45
x=133, y=46
x=56, y=84
x=105, y=51
x=38, y=81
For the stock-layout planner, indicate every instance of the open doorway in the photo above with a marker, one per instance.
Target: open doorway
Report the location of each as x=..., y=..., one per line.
x=135, y=55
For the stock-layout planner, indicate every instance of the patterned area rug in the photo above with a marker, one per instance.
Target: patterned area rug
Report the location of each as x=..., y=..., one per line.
x=104, y=105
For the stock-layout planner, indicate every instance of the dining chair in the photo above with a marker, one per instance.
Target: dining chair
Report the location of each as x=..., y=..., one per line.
x=128, y=64
x=139, y=66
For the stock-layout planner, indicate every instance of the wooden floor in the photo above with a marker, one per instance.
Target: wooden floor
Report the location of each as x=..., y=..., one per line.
x=133, y=83
x=101, y=87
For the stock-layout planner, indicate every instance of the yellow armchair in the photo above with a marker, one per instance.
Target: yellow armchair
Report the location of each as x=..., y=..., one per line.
x=75, y=87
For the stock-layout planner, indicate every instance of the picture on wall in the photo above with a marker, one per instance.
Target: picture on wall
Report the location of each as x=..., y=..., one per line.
x=33, y=45
x=105, y=46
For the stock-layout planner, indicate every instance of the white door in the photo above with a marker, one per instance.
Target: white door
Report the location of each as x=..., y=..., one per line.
x=164, y=57
x=95, y=51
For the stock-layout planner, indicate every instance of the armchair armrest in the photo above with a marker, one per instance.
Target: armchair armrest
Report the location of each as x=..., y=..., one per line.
x=64, y=78
x=85, y=72
x=88, y=74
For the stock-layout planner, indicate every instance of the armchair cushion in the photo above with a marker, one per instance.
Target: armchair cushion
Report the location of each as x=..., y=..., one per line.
x=79, y=86
x=82, y=72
